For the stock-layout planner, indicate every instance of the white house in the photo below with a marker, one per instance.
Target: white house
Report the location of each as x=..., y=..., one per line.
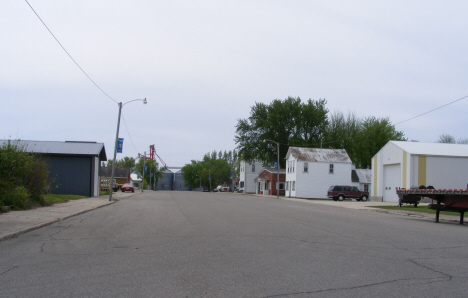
x=362, y=179
x=310, y=171
x=247, y=173
x=412, y=164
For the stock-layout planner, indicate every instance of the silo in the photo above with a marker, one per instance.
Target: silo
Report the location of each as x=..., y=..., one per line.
x=179, y=182
x=166, y=182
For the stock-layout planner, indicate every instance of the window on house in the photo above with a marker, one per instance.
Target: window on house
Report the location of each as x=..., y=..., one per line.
x=287, y=185
x=331, y=169
x=242, y=184
x=366, y=187
x=253, y=168
x=294, y=166
x=306, y=167
x=293, y=185
x=281, y=186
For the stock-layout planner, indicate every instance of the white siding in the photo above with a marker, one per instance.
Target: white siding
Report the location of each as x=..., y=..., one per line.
x=291, y=175
x=247, y=176
x=390, y=154
x=315, y=184
x=447, y=172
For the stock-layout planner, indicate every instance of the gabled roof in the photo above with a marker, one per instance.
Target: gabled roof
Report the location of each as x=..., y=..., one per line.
x=363, y=175
x=319, y=155
x=61, y=148
x=272, y=170
x=435, y=149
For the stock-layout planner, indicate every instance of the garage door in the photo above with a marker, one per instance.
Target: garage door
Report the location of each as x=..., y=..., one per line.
x=392, y=180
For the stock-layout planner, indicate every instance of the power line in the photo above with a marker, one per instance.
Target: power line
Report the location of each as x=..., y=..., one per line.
x=432, y=110
x=76, y=63
x=125, y=123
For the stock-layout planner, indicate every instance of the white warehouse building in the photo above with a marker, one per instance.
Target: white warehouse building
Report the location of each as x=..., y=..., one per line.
x=408, y=165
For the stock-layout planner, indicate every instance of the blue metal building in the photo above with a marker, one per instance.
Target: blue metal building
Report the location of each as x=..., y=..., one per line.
x=74, y=167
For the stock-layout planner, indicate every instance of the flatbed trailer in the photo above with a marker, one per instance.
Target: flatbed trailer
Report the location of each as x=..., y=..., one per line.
x=454, y=200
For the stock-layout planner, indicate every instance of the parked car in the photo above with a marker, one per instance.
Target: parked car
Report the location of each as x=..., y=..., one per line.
x=341, y=192
x=127, y=187
x=204, y=189
x=215, y=189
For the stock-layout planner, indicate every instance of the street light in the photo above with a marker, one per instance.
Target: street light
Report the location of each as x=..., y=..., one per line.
x=277, y=173
x=116, y=144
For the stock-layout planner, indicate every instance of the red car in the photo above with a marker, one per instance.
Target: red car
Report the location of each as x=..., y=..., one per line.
x=127, y=187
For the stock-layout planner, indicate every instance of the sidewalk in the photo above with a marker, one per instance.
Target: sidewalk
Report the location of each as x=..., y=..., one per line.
x=14, y=223
x=371, y=206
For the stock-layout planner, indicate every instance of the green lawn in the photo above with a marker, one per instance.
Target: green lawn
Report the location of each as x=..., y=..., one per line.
x=52, y=198
x=418, y=209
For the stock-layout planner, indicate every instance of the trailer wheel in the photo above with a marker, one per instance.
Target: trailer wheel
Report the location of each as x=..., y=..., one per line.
x=415, y=205
x=399, y=204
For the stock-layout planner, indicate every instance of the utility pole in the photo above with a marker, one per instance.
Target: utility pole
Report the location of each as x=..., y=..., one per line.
x=143, y=176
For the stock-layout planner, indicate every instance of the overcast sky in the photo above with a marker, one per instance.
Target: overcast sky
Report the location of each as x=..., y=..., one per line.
x=203, y=64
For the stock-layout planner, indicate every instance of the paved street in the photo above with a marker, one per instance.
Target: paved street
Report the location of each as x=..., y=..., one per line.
x=192, y=244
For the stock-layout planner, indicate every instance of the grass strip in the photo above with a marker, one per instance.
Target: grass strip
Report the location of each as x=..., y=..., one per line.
x=53, y=198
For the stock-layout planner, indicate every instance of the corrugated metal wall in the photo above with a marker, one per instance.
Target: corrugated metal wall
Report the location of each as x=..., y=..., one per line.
x=179, y=183
x=71, y=174
x=166, y=182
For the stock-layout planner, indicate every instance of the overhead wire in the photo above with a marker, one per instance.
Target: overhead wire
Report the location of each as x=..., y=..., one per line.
x=131, y=140
x=82, y=70
x=76, y=63
x=376, y=130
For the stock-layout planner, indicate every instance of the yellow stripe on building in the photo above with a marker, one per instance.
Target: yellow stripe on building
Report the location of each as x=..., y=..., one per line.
x=421, y=170
x=404, y=168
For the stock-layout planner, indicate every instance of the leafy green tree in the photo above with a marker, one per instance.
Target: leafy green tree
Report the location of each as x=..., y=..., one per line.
x=289, y=122
x=342, y=133
x=446, y=138
x=127, y=162
x=152, y=167
x=373, y=135
x=199, y=173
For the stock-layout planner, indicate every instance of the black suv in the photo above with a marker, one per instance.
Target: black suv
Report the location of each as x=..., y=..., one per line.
x=341, y=192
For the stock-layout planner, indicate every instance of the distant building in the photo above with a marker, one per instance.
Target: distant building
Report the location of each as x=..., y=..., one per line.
x=266, y=182
x=166, y=181
x=362, y=178
x=74, y=167
x=121, y=175
x=311, y=171
x=179, y=182
x=248, y=171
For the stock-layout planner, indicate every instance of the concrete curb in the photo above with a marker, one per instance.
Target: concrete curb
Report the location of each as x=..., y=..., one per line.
x=50, y=221
x=365, y=206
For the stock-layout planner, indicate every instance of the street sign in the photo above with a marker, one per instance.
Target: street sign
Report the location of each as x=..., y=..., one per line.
x=146, y=168
x=276, y=166
x=120, y=145
x=151, y=174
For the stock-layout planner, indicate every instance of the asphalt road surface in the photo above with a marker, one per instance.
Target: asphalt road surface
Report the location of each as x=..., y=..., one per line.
x=192, y=244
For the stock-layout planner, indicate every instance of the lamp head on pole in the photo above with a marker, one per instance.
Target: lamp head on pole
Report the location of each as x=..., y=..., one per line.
x=144, y=101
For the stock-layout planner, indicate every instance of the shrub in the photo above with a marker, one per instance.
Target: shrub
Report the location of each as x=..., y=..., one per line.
x=23, y=177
